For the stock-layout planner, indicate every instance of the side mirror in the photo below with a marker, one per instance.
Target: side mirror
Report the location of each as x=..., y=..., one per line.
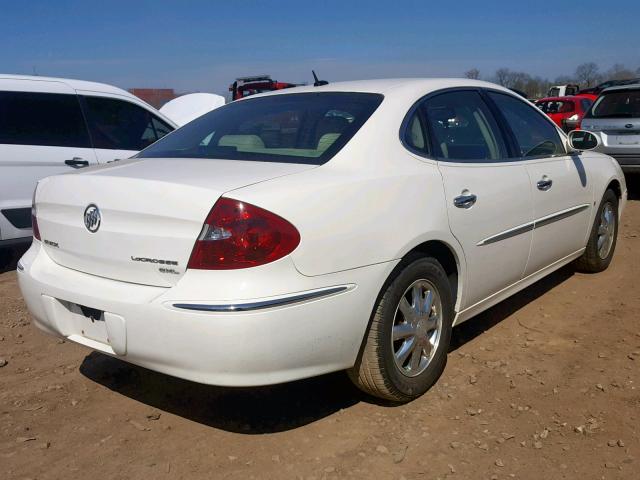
x=583, y=140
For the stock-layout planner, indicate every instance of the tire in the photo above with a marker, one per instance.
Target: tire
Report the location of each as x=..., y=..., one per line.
x=595, y=259
x=378, y=371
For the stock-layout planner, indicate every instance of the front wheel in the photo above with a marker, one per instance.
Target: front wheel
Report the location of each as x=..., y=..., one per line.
x=602, y=239
x=405, y=349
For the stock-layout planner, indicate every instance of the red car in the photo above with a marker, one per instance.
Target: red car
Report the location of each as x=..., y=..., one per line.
x=566, y=112
x=245, y=86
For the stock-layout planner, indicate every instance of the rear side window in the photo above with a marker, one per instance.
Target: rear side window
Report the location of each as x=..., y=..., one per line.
x=47, y=119
x=535, y=134
x=119, y=125
x=462, y=127
x=292, y=128
x=621, y=104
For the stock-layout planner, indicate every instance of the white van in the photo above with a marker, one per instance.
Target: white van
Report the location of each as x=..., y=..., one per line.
x=53, y=125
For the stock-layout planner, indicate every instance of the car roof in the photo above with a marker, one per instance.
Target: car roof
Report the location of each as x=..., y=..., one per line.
x=558, y=99
x=81, y=85
x=388, y=85
x=631, y=86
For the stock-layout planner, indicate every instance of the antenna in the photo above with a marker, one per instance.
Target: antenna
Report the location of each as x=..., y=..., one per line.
x=316, y=82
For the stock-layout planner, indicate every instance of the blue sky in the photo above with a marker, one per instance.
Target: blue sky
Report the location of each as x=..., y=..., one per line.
x=204, y=45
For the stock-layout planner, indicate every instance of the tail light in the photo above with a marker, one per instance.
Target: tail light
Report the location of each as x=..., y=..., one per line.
x=34, y=216
x=240, y=235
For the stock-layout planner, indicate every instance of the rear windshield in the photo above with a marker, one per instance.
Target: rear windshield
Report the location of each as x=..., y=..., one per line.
x=620, y=104
x=556, y=107
x=293, y=128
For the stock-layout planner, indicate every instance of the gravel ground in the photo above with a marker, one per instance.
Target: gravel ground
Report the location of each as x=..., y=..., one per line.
x=545, y=385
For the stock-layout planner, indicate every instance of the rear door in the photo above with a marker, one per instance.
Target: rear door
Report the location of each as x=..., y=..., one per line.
x=119, y=128
x=488, y=199
x=560, y=185
x=42, y=133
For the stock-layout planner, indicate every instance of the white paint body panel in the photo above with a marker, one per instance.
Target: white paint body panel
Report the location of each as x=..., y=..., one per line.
x=358, y=215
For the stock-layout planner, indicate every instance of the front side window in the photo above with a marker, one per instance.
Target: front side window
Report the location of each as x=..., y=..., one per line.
x=119, y=125
x=620, y=104
x=536, y=134
x=462, y=127
x=292, y=128
x=47, y=119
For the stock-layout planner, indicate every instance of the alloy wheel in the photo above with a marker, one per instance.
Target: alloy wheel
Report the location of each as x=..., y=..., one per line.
x=417, y=328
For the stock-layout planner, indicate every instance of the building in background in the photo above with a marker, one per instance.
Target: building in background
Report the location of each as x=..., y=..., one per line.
x=156, y=97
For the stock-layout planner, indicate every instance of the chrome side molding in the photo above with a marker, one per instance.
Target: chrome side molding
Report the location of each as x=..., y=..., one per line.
x=276, y=302
x=540, y=222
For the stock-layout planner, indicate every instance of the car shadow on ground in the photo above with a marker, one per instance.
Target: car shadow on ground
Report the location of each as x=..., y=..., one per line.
x=482, y=322
x=633, y=186
x=9, y=257
x=254, y=410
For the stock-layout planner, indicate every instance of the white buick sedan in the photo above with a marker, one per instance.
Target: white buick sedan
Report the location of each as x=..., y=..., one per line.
x=346, y=226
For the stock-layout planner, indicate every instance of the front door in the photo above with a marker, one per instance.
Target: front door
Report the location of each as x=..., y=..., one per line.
x=561, y=189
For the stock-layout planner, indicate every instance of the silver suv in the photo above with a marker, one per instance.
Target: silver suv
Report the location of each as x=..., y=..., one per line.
x=615, y=118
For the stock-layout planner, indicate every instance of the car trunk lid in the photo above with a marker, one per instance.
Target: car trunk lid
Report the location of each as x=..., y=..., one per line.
x=151, y=212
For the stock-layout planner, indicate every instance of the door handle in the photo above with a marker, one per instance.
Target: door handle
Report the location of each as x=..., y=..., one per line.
x=544, y=184
x=465, y=201
x=76, y=162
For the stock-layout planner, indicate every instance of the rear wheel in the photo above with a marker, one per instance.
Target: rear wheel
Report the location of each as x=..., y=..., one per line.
x=405, y=349
x=602, y=239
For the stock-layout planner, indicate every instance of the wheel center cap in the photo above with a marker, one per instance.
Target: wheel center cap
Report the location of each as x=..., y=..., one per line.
x=421, y=328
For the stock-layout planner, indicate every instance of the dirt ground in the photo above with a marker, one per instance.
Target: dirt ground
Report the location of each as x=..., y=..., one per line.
x=545, y=385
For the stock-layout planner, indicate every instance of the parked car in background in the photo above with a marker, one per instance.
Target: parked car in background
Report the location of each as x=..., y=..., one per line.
x=615, y=119
x=245, y=86
x=300, y=232
x=563, y=90
x=566, y=112
x=609, y=83
x=55, y=125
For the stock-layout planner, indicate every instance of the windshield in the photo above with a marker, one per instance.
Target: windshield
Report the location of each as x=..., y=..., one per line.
x=293, y=128
x=622, y=103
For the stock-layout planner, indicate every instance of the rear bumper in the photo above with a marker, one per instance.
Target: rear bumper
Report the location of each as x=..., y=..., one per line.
x=272, y=344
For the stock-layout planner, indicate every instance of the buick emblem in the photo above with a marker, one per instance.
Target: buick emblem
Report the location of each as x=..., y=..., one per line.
x=92, y=218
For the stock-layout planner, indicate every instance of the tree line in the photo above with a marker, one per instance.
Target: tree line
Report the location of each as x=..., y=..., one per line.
x=586, y=75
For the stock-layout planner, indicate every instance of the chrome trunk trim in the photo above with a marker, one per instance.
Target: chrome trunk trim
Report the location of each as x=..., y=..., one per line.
x=259, y=305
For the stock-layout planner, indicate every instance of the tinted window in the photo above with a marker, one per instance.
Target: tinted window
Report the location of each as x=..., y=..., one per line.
x=553, y=106
x=622, y=104
x=462, y=127
x=119, y=125
x=536, y=134
x=48, y=119
x=296, y=128
x=586, y=104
